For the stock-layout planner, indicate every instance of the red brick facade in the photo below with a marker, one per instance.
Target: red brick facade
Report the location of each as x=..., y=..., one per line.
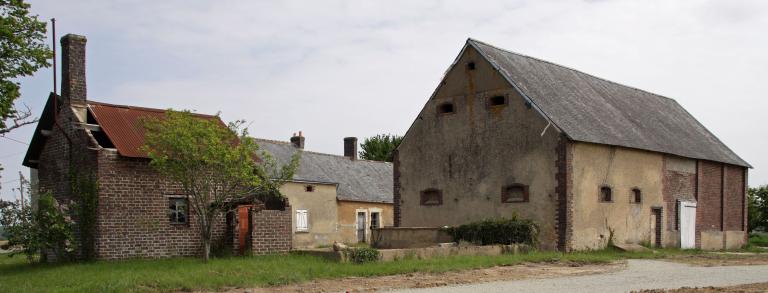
x=272, y=231
x=564, y=211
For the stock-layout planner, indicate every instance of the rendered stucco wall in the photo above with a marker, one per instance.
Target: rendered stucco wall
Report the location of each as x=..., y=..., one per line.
x=348, y=218
x=472, y=154
x=622, y=169
x=321, y=209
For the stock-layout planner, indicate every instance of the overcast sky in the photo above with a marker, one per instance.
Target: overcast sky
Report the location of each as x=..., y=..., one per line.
x=358, y=68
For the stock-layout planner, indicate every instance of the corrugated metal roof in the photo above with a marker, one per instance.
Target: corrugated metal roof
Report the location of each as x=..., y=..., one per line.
x=592, y=109
x=122, y=124
x=358, y=180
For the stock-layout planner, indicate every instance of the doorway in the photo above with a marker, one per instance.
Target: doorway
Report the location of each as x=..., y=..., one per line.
x=361, y=227
x=687, y=215
x=243, y=227
x=657, y=226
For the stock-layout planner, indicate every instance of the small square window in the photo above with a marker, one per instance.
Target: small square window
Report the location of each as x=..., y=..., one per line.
x=309, y=188
x=445, y=108
x=497, y=101
x=178, y=210
x=431, y=197
x=514, y=193
x=606, y=194
x=637, y=195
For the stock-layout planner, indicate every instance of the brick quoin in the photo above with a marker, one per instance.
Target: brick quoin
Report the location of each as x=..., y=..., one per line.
x=564, y=209
x=396, y=188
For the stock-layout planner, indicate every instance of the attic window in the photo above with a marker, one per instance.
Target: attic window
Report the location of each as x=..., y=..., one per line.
x=309, y=188
x=514, y=193
x=445, y=108
x=497, y=101
x=471, y=65
x=606, y=194
x=431, y=197
x=637, y=195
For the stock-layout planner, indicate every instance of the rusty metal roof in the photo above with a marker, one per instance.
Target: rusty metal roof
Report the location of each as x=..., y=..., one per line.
x=122, y=124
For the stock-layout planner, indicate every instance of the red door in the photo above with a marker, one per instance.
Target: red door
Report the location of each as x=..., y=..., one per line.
x=244, y=225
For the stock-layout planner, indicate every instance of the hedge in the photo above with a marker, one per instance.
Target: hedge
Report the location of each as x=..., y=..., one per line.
x=496, y=231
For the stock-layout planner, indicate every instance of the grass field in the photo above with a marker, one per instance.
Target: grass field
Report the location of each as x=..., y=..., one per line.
x=183, y=274
x=759, y=239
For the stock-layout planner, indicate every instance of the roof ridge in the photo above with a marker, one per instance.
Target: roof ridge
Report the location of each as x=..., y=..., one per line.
x=568, y=68
x=142, y=108
x=317, y=153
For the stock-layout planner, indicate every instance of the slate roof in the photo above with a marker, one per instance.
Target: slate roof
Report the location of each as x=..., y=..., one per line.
x=358, y=180
x=591, y=109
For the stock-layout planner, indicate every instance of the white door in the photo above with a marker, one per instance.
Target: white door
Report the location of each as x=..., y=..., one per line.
x=687, y=210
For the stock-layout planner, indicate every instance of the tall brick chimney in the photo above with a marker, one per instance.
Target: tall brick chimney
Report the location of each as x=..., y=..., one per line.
x=350, y=147
x=73, y=88
x=298, y=141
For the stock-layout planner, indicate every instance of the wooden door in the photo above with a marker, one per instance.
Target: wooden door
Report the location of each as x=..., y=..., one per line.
x=687, y=215
x=361, y=227
x=244, y=227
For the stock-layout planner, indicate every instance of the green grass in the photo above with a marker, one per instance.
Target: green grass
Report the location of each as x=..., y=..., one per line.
x=16, y=275
x=758, y=239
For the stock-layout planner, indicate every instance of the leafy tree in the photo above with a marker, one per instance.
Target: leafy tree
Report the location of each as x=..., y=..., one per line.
x=380, y=147
x=758, y=208
x=213, y=164
x=22, y=52
x=46, y=229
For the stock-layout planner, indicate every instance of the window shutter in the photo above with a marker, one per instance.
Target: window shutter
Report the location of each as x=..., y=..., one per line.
x=302, y=222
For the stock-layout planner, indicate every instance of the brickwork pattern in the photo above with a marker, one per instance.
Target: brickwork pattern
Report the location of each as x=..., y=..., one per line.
x=271, y=231
x=733, y=198
x=709, y=209
x=396, y=188
x=676, y=186
x=564, y=212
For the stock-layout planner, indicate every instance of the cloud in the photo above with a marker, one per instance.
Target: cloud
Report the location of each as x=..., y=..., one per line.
x=358, y=68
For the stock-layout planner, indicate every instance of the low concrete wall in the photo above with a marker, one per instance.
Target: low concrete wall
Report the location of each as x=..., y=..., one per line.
x=711, y=240
x=408, y=237
x=735, y=239
x=432, y=252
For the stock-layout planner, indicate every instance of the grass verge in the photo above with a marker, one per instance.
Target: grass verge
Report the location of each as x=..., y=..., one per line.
x=758, y=239
x=184, y=274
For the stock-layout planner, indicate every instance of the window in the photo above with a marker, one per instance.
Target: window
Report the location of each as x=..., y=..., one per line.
x=471, y=65
x=302, y=221
x=431, y=197
x=497, y=101
x=637, y=195
x=375, y=220
x=309, y=188
x=514, y=193
x=606, y=194
x=445, y=108
x=177, y=210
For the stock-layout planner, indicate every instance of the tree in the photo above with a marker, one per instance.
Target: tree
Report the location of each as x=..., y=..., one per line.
x=45, y=229
x=214, y=165
x=758, y=208
x=380, y=147
x=22, y=53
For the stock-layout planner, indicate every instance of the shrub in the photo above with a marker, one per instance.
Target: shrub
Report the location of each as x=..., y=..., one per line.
x=47, y=229
x=496, y=231
x=362, y=254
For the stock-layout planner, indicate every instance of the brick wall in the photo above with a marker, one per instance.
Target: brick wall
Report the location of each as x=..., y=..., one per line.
x=733, y=198
x=564, y=211
x=709, y=209
x=677, y=185
x=396, y=187
x=133, y=217
x=272, y=231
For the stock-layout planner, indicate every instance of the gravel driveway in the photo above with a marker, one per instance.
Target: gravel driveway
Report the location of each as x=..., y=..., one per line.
x=640, y=274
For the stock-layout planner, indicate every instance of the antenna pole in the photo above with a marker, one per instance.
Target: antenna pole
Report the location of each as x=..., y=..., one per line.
x=53, y=27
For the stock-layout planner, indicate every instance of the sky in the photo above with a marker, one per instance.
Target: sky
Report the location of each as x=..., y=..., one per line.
x=334, y=69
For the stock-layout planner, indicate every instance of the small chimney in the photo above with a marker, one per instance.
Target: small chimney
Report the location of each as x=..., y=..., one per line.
x=350, y=147
x=298, y=141
x=73, y=88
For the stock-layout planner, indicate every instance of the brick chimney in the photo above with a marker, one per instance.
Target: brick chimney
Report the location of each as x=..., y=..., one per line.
x=73, y=88
x=350, y=147
x=298, y=141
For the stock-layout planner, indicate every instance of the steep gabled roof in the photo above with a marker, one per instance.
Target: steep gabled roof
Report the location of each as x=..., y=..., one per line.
x=357, y=180
x=591, y=109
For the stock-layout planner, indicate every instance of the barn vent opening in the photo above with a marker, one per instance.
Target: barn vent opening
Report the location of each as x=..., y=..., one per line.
x=471, y=65
x=445, y=108
x=431, y=197
x=637, y=195
x=497, y=101
x=514, y=193
x=606, y=194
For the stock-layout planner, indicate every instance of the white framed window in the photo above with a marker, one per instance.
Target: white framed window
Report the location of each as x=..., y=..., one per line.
x=302, y=221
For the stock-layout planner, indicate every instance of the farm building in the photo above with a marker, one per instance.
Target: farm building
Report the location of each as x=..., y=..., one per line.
x=590, y=160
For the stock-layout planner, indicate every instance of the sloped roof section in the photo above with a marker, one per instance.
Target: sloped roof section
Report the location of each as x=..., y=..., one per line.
x=358, y=180
x=122, y=124
x=595, y=110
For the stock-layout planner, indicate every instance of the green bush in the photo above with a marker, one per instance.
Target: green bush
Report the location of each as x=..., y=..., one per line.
x=363, y=254
x=496, y=231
